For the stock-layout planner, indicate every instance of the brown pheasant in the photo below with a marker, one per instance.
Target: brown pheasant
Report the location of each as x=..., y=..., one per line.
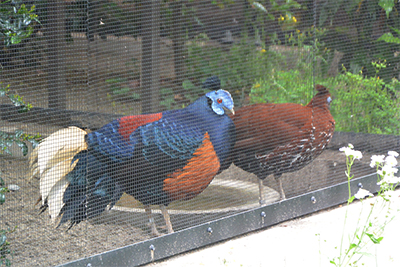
x=280, y=138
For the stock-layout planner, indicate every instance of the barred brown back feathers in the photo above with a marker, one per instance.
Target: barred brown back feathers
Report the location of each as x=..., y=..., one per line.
x=281, y=138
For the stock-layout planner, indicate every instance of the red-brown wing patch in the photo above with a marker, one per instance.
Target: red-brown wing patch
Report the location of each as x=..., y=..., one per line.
x=129, y=124
x=191, y=180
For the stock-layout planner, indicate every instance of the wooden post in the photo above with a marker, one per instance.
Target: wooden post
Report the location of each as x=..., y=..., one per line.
x=150, y=73
x=55, y=35
x=178, y=39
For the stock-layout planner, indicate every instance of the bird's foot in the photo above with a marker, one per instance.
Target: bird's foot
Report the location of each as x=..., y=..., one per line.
x=166, y=229
x=261, y=193
x=167, y=219
x=262, y=201
x=153, y=229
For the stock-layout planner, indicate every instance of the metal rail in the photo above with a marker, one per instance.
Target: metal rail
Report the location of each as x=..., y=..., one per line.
x=231, y=226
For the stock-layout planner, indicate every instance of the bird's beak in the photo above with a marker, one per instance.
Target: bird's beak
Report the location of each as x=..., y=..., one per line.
x=230, y=110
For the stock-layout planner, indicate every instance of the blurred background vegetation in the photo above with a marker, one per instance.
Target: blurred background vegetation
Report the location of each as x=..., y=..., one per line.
x=263, y=51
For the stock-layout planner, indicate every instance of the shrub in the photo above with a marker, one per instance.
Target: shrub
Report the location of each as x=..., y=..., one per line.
x=365, y=104
x=361, y=104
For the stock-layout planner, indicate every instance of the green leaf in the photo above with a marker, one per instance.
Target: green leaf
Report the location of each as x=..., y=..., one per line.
x=18, y=133
x=352, y=246
x=116, y=80
x=120, y=91
x=188, y=85
x=135, y=96
x=374, y=239
x=15, y=40
x=389, y=38
x=387, y=5
x=23, y=146
x=396, y=30
x=166, y=91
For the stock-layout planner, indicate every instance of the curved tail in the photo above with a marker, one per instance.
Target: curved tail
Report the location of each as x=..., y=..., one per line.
x=90, y=189
x=52, y=161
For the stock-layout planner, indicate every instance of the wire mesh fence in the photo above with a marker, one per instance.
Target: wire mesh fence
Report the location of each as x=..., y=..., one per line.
x=114, y=129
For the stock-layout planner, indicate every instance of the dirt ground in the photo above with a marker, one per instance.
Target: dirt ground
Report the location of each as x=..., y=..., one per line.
x=35, y=241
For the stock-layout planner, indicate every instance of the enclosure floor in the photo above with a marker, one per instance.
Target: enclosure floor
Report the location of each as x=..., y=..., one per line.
x=36, y=242
x=307, y=241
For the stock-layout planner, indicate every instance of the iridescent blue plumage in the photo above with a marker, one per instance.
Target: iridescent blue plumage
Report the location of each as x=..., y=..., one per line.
x=170, y=137
x=108, y=143
x=142, y=155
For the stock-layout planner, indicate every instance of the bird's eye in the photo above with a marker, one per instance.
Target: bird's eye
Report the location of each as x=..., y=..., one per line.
x=219, y=100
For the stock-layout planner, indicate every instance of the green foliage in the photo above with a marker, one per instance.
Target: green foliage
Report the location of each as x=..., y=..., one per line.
x=191, y=93
x=291, y=79
x=370, y=225
x=234, y=66
x=15, y=25
x=329, y=9
x=120, y=89
x=18, y=138
x=15, y=99
x=221, y=3
x=389, y=38
x=387, y=5
x=278, y=10
x=361, y=104
x=282, y=87
x=354, y=38
x=310, y=48
x=16, y=21
x=4, y=249
x=241, y=64
x=365, y=104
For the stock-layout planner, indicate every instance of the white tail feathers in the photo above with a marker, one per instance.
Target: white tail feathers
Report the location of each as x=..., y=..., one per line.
x=51, y=162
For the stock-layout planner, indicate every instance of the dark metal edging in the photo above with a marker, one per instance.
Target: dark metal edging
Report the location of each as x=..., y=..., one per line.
x=222, y=229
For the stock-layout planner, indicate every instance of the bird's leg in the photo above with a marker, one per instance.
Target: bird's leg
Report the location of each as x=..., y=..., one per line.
x=166, y=218
x=281, y=192
x=152, y=224
x=261, y=192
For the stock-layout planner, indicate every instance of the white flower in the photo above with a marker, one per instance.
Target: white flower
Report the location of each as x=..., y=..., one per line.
x=389, y=179
x=350, y=152
x=346, y=150
x=393, y=153
x=357, y=154
x=387, y=170
x=392, y=179
x=391, y=161
x=376, y=160
x=362, y=193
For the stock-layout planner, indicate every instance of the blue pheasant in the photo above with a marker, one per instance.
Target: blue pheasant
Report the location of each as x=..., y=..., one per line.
x=156, y=158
